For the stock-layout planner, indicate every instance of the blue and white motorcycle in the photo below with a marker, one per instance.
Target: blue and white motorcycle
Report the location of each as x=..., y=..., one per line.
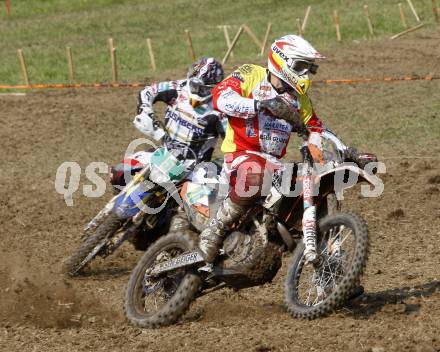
x=145, y=205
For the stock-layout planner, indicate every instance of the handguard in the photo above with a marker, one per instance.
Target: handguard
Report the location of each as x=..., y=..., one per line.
x=147, y=123
x=361, y=159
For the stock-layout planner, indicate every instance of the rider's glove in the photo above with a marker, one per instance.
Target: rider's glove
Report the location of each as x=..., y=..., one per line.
x=280, y=108
x=148, y=124
x=361, y=159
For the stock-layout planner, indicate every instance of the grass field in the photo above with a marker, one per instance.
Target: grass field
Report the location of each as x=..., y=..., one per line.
x=43, y=29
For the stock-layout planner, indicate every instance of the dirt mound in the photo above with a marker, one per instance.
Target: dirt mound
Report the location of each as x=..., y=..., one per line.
x=41, y=299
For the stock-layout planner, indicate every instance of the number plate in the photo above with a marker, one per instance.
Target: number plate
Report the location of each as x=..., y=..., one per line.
x=168, y=164
x=178, y=262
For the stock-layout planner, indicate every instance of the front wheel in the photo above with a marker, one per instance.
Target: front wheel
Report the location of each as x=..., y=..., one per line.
x=160, y=301
x=88, y=250
x=318, y=289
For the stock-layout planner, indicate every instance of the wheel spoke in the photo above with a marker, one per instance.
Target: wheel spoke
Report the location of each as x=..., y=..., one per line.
x=324, y=285
x=158, y=291
x=311, y=287
x=348, y=234
x=322, y=281
x=333, y=238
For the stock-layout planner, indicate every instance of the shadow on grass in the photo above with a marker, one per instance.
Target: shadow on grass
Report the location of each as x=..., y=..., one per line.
x=370, y=303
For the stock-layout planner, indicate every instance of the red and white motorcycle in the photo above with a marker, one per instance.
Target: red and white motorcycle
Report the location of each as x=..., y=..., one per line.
x=166, y=279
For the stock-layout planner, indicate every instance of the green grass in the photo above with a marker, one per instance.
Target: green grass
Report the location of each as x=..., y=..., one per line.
x=43, y=29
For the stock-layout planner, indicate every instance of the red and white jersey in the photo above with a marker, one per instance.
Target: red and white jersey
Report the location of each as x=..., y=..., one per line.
x=248, y=130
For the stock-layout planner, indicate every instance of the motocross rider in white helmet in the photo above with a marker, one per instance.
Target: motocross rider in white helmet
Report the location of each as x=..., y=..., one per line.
x=251, y=97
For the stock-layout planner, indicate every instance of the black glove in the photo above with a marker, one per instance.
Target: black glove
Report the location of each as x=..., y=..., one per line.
x=361, y=159
x=280, y=108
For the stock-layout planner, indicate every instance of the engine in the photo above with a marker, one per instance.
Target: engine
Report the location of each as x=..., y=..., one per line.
x=250, y=258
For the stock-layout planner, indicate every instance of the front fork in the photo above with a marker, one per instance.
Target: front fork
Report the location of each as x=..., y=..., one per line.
x=309, y=215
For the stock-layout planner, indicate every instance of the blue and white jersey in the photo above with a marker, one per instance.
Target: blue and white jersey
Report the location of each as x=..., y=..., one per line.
x=196, y=126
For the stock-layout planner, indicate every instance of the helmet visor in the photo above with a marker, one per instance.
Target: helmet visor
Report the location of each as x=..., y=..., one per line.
x=301, y=67
x=197, y=87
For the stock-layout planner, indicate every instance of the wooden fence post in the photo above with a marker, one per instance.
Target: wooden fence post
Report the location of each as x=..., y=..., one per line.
x=234, y=42
x=407, y=31
x=306, y=18
x=435, y=11
x=8, y=7
x=227, y=38
x=190, y=45
x=266, y=37
x=24, y=70
x=114, y=66
x=370, y=24
x=110, y=43
x=113, y=60
x=70, y=64
x=253, y=36
x=402, y=16
x=298, y=24
x=338, y=30
x=413, y=10
x=151, y=53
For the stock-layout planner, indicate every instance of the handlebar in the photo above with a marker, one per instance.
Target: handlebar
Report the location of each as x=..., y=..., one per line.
x=176, y=144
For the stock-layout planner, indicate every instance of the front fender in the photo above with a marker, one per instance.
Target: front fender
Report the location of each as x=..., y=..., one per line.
x=351, y=167
x=128, y=204
x=345, y=176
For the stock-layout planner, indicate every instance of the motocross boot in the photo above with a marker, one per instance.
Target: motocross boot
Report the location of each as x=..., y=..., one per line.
x=212, y=237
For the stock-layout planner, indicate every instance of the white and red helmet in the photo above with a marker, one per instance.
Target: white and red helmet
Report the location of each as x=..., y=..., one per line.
x=291, y=58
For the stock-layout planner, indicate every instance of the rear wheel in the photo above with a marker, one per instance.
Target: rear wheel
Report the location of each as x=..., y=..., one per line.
x=318, y=289
x=160, y=301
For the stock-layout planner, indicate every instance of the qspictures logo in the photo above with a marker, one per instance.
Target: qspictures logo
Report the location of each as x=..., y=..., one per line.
x=166, y=170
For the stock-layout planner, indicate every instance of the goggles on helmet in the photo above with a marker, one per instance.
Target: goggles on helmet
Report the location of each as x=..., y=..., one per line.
x=197, y=87
x=301, y=67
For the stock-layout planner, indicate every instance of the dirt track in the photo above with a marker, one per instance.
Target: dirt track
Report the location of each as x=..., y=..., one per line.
x=40, y=310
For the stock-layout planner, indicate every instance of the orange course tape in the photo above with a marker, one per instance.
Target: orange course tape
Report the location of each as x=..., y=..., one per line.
x=77, y=85
x=377, y=80
x=139, y=84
